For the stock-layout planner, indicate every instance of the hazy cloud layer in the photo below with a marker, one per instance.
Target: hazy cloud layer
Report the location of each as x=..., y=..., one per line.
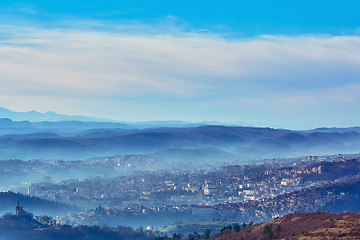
x=267, y=80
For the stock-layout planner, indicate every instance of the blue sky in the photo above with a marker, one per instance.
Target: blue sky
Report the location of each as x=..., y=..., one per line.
x=241, y=18
x=288, y=64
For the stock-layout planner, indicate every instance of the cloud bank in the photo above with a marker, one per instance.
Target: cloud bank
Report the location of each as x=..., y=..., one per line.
x=265, y=80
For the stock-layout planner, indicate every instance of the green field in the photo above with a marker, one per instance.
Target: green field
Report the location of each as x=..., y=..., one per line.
x=192, y=227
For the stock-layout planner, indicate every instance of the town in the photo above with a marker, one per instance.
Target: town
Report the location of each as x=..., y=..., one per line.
x=232, y=193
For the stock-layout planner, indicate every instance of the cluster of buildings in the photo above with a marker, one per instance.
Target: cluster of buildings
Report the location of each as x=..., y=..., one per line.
x=230, y=184
x=235, y=192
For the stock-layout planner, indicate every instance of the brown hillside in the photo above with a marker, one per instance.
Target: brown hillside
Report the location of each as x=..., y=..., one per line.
x=317, y=225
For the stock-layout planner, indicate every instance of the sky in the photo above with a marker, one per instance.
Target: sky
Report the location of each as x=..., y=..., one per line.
x=282, y=64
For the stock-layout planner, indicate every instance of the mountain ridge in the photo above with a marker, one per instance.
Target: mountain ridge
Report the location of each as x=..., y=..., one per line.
x=244, y=142
x=50, y=117
x=35, y=116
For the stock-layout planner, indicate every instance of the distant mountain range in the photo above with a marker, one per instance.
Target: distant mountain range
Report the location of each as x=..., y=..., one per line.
x=33, y=121
x=34, y=116
x=58, y=137
x=36, y=121
x=182, y=144
x=338, y=130
x=64, y=128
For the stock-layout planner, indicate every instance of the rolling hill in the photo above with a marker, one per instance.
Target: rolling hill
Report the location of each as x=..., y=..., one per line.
x=319, y=225
x=38, y=206
x=245, y=143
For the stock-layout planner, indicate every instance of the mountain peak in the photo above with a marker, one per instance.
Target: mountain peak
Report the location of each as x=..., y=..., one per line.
x=51, y=116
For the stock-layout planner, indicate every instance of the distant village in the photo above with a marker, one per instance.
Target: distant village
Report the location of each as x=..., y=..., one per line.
x=237, y=193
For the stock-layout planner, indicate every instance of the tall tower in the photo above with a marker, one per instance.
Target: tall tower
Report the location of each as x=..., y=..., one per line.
x=19, y=209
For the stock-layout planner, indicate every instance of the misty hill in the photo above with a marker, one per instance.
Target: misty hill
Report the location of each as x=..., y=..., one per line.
x=8, y=201
x=19, y=227
x=319, y=225
x=338, y=130
x=64, y=128
x=242, y=142
x=73, y=128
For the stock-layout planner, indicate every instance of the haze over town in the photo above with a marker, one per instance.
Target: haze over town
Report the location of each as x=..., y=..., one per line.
x=159, y=120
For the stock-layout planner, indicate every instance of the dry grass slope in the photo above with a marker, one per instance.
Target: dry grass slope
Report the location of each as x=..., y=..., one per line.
x=302, y=226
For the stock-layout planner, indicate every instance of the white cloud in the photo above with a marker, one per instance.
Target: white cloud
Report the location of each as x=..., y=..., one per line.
x=282, y=71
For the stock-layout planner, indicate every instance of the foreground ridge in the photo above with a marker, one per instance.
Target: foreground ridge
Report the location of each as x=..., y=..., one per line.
x=319, y=225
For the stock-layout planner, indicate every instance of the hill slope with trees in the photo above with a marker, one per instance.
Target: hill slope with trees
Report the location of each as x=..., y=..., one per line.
x=319, y=225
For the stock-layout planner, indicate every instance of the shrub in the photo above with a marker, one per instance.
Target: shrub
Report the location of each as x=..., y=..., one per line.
x=268, y=231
